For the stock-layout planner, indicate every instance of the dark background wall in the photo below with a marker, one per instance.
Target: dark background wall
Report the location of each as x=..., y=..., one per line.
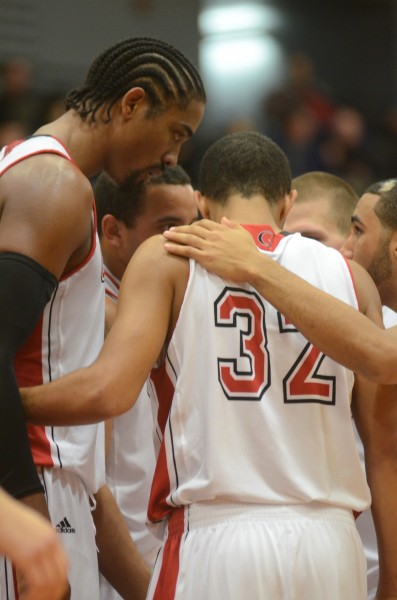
x=353, y=44
x=62, y=38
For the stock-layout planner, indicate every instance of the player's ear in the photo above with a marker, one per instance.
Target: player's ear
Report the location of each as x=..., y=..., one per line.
x=202, y=204
x=112, y=230
x=287, y=204
x=132, y=100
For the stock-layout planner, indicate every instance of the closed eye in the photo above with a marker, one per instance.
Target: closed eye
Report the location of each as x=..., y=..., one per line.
x=356, y=229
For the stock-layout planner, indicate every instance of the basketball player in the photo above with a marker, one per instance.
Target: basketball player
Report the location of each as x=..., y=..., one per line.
x=228, y=251
x=141, y=100
x=257, y=473
x=322, y=209
x=127, y=216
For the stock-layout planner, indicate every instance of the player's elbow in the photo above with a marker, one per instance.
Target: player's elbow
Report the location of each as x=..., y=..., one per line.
x=111, y=399
x=380, y=365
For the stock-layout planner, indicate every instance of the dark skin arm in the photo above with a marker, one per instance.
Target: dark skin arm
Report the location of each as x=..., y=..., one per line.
x=119, y=560
x=45, y=207
x=377, y=424
x=152, y=287
x=375, y=414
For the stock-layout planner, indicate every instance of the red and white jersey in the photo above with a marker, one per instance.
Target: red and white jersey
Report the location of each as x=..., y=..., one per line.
x=130, y=459
x=248, y=409
x=112, y=285
x=68, y=336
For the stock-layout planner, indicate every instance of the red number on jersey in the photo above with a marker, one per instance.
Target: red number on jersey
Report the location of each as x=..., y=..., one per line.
x=251, y=382
x=245, y=311
x=303, y=383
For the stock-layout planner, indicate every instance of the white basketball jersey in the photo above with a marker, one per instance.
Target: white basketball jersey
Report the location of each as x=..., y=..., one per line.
x=130, y=460
x=248, y=409
x=68, y=336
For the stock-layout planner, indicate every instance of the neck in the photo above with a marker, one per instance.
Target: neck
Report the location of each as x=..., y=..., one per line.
x=254, y=211
x=111, y=260
x=388, y=295
x=85, y=141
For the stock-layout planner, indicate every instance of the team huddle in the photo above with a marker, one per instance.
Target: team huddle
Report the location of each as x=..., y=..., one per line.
x=190, y=383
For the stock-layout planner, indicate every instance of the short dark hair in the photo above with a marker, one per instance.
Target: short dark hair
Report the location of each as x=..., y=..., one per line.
x=245, y=163
x=171, y=176
x=126, y=201
x=386, y=208
x=341, y=196
x=160, y=69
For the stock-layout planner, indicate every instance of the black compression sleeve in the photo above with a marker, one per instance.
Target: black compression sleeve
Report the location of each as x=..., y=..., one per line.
x=25, y=288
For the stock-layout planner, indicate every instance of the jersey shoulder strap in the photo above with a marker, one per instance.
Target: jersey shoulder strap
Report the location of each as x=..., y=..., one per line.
x=36, y=144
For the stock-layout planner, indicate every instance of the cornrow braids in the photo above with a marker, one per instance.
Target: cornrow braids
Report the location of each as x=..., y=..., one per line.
x=160, y=69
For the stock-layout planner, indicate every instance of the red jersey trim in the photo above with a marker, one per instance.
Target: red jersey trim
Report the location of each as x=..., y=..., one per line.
x=112, y=278
x=352, y=278
x=111, y=295
x=28, y=370
x=158, y=507
x=264, y=236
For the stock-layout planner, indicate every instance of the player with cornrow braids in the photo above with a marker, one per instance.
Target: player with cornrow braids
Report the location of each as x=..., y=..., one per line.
x=141, y=100
x=161, y=70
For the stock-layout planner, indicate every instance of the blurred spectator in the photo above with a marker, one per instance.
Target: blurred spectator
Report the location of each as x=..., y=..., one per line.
x=52, y=107
x=11, y=131
x=346, y=150
x=319, y=134
x=18, y=101
x=302, y=90
x=299, y=138
x=384, y=145
x=299, y=113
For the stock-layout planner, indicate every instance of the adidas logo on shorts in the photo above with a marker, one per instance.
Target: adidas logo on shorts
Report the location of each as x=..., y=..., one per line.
x=65, y=527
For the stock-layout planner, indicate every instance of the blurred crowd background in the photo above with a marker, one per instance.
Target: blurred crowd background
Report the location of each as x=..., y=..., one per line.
x=331, y=102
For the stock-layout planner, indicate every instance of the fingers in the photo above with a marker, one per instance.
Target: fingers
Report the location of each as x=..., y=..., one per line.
x=230, y=224
x=188, y=239
x=182, y=249
x=199, y=228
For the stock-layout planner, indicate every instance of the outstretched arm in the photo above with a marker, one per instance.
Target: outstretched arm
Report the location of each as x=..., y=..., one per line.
x=336, y=329
x=111, y=385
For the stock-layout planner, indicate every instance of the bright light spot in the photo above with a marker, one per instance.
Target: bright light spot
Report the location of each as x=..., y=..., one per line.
x=240, y=59
x=246, y=56
x=238, y=73
x=241, y=17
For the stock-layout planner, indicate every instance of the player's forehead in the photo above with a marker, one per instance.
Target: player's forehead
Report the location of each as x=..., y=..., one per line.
x=187, y=117
x=170, y=200
x=317, y=212
x=367, y=201
x=364, y=210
